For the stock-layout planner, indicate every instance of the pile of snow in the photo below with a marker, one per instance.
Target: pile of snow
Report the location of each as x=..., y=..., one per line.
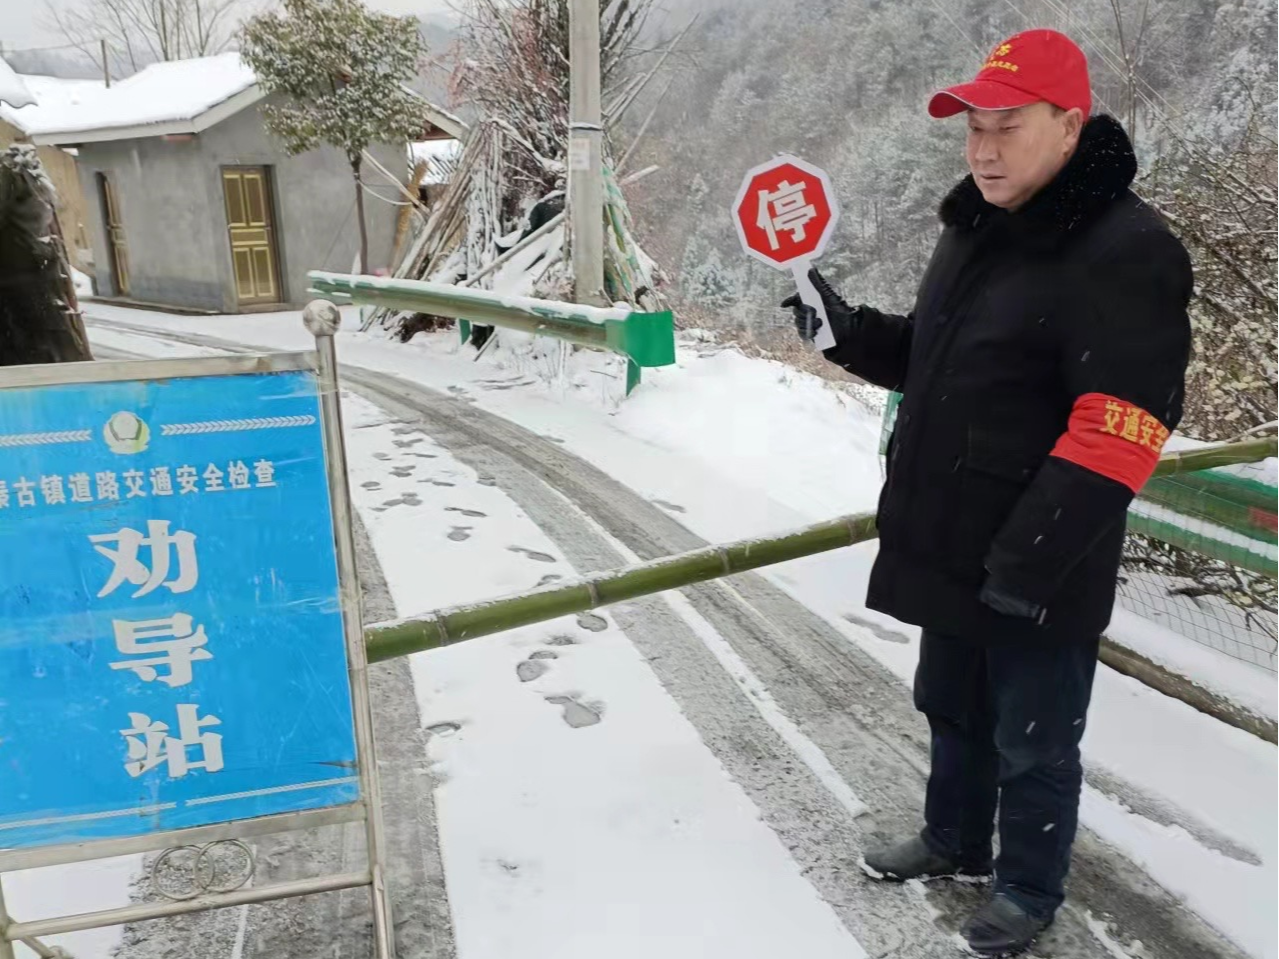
x=12, y=90
x=1224, y=675
x=83, y=283
x=51, y=99
x=162, y=93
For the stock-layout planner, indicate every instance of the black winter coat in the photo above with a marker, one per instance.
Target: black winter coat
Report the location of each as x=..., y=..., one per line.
x=1041, y=370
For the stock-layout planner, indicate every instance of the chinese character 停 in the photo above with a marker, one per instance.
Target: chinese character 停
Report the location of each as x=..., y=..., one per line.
x=150, y=743
x=784, y=209
x=128, y=568
x=167, y=642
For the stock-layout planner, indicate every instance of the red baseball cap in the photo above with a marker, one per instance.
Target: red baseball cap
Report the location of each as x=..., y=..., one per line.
x=1030, y=67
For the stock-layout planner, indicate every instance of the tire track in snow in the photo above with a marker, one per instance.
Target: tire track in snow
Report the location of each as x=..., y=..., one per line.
x=842, y=699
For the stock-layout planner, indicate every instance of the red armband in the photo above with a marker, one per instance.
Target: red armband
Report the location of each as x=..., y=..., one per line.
x=1114, y=438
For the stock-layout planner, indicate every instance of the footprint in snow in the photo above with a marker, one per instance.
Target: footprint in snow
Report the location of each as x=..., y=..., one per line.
x=371, y=484
x=408, y=499
x=673, y=507
x=404, y=429
x=436, y=482
x=405, y=444
x=486, y=481
x=460, y=534
x=402, y=471
x=878, y=631
x=444, y=730
x=592, y=623
x=533, y=554
x=471, y=513
x=577, y=714
x=535, y=666
x=561, y=640
x=381, y=456
x=548, y=579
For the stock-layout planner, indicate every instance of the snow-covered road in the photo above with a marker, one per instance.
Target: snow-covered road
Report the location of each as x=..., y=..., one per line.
x=679, y=772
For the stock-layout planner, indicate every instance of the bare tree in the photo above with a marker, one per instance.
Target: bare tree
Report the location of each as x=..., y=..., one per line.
x=1220, y=198
x=139, y=32
x=1140, y=54
x=512, y=63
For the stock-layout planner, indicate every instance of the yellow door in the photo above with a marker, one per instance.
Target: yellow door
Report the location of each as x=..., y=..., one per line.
x=118, y=251
x=248, y=217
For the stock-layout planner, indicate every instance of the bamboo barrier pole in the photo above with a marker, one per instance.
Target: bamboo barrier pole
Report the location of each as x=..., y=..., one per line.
x=1162, y=679
x=1210, y=457
x=447, y=626
x=458, y=624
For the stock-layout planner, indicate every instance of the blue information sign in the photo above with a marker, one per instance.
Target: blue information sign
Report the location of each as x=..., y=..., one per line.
x=171, y=639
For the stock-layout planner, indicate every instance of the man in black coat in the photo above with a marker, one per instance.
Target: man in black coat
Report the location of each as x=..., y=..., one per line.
x=1042, y=369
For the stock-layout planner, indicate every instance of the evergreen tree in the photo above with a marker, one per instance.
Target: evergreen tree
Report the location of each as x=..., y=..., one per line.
x=341, y=70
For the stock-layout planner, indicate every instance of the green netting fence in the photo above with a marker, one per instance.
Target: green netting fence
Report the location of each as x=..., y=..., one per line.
x=1201, y=556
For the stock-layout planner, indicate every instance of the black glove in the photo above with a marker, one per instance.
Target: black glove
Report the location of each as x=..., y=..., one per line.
x=807, y=322
x=994, y=596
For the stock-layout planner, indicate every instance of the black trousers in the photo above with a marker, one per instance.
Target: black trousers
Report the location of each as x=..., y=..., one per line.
x=1006, y=722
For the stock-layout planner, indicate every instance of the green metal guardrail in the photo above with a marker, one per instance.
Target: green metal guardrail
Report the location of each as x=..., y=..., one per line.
x=645, y=339
x=1210, y=513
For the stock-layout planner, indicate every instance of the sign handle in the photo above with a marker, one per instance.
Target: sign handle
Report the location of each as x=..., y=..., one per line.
x=824, y=339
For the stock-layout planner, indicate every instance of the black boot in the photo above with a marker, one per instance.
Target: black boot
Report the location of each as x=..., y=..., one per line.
x=1002, y=928
x=913, y=859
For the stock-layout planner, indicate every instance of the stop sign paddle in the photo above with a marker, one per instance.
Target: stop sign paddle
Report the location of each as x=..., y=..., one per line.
x=785, y=212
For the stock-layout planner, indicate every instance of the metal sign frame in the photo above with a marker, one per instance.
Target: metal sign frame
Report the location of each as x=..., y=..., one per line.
x=367, y=809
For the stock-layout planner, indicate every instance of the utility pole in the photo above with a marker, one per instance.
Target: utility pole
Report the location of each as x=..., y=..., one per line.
x=106, y=70
x=585, y=151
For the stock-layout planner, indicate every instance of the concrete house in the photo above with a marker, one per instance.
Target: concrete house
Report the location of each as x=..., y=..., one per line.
x=53, y=96
x=193, y=204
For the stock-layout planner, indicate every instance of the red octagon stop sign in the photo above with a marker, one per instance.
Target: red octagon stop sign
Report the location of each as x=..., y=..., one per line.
x=785, y=211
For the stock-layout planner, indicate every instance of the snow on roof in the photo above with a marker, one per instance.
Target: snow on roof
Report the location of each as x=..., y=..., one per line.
x=12, y=90
x=450, y=123
x=53, y=97
x=437, y=154
x=172, y=95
